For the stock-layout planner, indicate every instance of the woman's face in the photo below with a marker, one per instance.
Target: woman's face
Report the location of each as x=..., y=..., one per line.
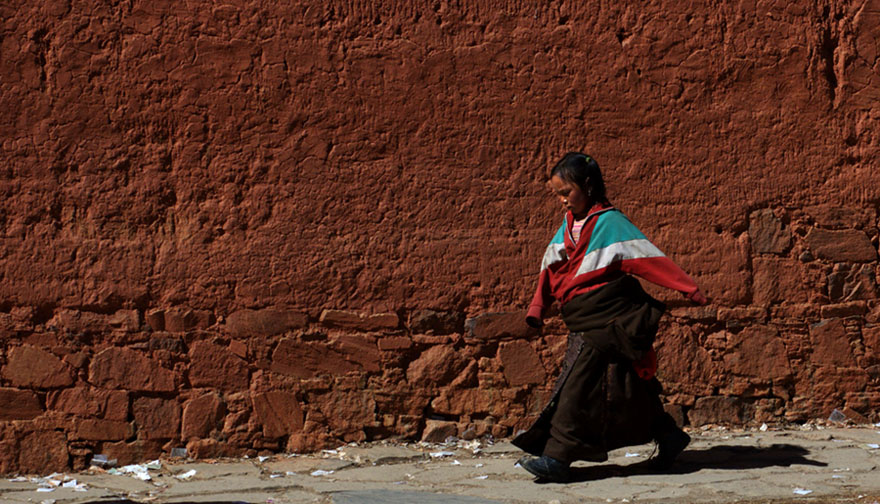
x=571, y=196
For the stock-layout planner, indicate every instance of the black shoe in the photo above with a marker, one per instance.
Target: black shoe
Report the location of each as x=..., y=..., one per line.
x=670, y=443
x=546, y=468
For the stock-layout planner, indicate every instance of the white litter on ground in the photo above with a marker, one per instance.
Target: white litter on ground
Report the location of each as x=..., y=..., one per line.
x=56, y=480
x=321, y=472
x=474, y=446
x=137, y=471
x=187, y=475
x=802, y=491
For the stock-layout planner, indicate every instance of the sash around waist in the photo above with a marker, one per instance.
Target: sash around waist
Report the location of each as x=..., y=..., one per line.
x=619, y=316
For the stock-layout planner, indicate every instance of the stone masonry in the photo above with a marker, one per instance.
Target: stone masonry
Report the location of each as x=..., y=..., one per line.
x=253, y=227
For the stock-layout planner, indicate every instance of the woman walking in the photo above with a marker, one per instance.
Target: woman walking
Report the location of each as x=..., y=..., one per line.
x=606, y=396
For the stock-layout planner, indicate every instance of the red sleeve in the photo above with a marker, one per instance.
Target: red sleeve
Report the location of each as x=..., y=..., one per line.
x=663, y=272
x=541, y=301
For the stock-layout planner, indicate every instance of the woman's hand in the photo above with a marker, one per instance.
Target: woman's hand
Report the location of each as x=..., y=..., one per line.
x=698, y=298
x=534, y=322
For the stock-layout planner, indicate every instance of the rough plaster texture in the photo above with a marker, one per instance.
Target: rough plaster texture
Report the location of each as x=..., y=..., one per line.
x=259, y=226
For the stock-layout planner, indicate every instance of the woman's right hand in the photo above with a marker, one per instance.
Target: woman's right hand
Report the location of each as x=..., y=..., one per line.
x=698, y=298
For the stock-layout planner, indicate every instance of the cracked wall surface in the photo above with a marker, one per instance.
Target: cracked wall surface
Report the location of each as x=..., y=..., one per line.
x=257, y=226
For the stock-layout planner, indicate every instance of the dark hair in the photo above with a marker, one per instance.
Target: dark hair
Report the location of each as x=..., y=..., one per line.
x=582, y=170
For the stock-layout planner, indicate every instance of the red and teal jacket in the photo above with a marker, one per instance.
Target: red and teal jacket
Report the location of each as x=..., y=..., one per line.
x=609, y=246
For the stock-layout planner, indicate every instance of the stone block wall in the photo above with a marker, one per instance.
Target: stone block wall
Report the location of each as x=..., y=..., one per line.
x=805, y=344
x=255, y=227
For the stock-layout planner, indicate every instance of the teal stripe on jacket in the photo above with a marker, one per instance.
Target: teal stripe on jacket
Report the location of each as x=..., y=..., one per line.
x=613, y=227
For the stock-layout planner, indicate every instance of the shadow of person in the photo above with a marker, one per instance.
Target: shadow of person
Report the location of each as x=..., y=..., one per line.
x=727, y=457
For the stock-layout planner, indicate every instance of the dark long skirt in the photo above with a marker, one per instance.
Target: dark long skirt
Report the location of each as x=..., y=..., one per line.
x=599, y=403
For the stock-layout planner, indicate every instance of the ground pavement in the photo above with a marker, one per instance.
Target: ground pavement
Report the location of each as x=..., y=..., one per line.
x=811, y=464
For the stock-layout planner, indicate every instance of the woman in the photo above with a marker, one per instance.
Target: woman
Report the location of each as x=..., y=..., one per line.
x=606, y=396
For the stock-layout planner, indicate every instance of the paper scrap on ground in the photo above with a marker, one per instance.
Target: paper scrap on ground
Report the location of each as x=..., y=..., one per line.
x=102, y=461
x=442, y=454
x=837, y=416
x=802, y=491
x=873, y=446
x=474, y=446
x=764, y=427
x=321, y=472
x=485, y=476
x=137, y=471
x=187, y=475
x=628, y=454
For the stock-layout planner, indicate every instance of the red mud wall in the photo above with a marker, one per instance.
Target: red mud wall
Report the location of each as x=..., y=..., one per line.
x=257, y=226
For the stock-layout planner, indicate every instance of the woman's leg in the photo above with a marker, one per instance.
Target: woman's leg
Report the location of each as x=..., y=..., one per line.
x=577, y=425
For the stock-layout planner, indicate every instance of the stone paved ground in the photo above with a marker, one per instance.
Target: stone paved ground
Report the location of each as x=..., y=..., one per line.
x=812, y=464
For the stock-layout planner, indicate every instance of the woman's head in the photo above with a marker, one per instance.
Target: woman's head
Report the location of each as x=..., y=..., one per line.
x=578, y=182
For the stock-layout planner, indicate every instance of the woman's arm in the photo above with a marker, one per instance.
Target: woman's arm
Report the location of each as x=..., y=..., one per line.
x=543, y=297
x=619, y=241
